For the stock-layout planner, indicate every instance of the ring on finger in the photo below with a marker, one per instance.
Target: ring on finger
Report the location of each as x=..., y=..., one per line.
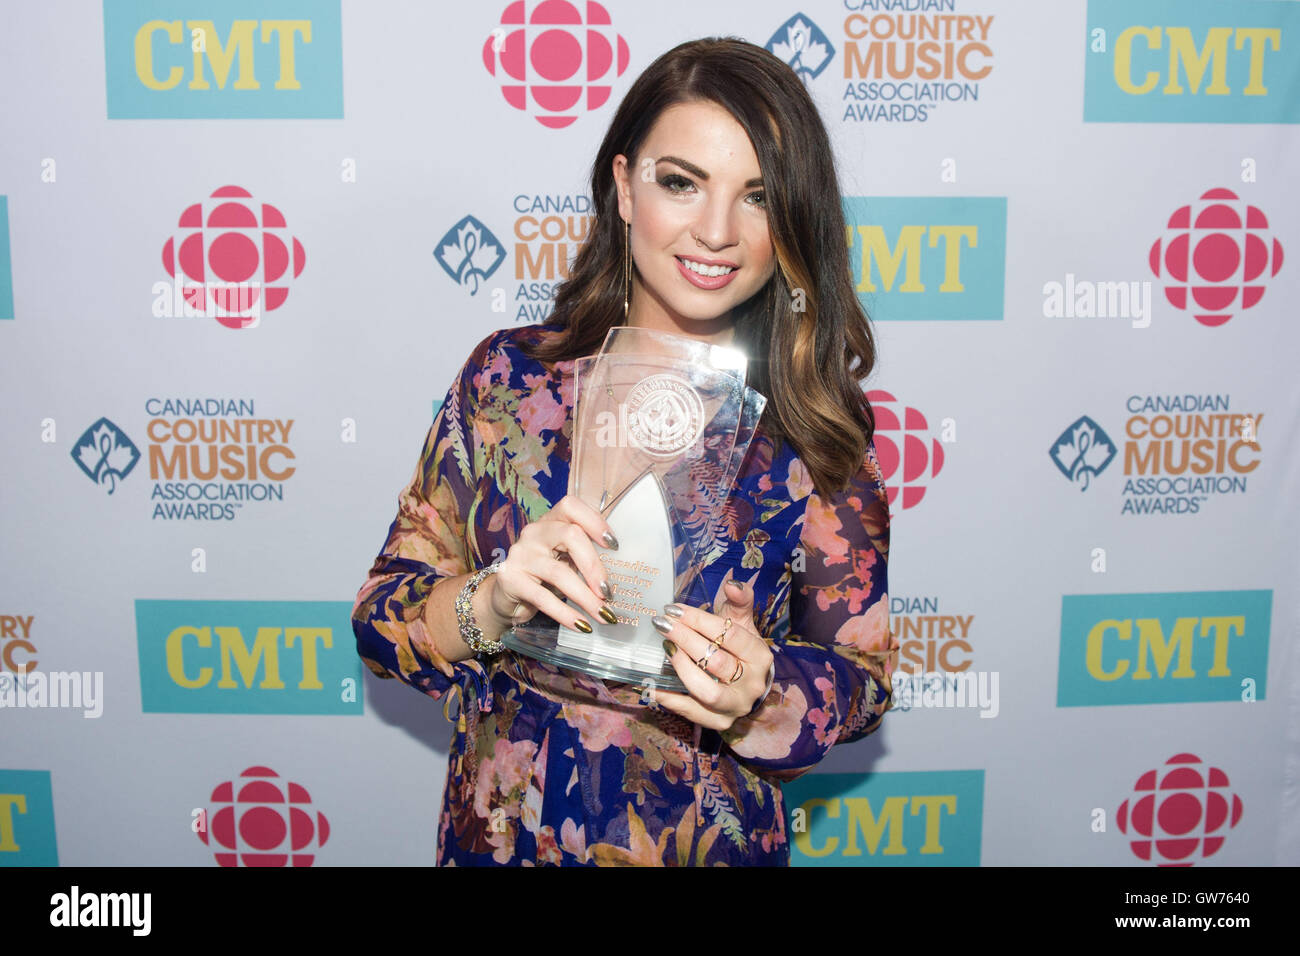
x=740, y=669
x=717, y=641
x=703, y=662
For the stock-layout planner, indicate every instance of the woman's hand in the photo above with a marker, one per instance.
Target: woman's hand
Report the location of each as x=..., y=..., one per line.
x=555, y=556
x=725, y=686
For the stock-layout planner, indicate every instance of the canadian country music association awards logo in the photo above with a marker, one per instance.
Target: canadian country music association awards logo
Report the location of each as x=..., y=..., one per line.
x=909, y=454
x=265, y=823
x=469, y=253
x=553, y=63
x=1218, y=249
x=1176, y=451
x=1082, y=450
x=803, y=46
x=232, y=260
x=1179, y=813
x=105, y=454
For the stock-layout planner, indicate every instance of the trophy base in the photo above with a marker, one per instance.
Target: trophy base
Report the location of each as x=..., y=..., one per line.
x=594, y=655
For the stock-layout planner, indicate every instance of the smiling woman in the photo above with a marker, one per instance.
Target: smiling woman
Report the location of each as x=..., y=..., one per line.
x=717, y=217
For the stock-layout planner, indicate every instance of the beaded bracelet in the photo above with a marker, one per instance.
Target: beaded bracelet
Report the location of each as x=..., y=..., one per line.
x=469, y=629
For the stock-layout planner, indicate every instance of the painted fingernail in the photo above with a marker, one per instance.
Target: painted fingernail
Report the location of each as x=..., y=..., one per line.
x=582, y=625
x=670, y=648
x=673, y=610
x=610, y=540
x=606, y=590
x=607, y=615
x=662, y=624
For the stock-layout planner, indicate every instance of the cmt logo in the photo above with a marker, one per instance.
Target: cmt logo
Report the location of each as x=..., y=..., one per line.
x=1191, y=61
x=802, y=45
x=929, y=257
x=1163, y=648
x=247, y=657
x=262, y=823
x=27, y=819
x=6, y=269
x=552, y=63
x=1221, y=251
x=233, y=260
x=169, y=60
x=469, y=253
x=1179, y=813
x=929, y=818
x=908, y=452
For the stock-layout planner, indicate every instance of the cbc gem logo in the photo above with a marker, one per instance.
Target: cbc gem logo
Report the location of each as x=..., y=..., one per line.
x=909, y=454
x=907, y=818
x=27, y=819
x=1179, y=813
x=248, y=657
x=223, y=63
x=233, y=260
x=1191, y=61
x=1215, y=256
x=262, y=823
x=1166, y=648
x=553, y=64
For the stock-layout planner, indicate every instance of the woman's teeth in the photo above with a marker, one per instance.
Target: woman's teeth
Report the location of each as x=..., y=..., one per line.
x=707, y=270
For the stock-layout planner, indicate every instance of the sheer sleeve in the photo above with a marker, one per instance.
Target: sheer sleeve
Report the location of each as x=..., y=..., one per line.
x=834, y=662
x=426, y=543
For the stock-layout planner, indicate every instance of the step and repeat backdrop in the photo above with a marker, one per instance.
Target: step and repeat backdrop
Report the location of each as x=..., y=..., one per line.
x=245, y=248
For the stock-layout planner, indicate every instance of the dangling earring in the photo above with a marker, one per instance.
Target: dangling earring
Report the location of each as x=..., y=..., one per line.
x=627, y=268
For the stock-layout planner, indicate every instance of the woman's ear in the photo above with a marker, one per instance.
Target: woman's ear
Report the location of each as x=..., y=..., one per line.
x=623, y=187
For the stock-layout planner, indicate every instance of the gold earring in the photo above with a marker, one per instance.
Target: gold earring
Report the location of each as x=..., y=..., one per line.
x=627, y=268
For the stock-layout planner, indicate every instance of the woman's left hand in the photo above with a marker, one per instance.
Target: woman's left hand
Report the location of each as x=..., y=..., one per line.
x=726, y=681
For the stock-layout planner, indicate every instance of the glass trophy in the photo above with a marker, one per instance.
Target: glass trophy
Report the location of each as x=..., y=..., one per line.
x=661, y=425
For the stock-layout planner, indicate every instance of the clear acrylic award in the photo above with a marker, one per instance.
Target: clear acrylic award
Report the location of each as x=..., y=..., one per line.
x=661, y=426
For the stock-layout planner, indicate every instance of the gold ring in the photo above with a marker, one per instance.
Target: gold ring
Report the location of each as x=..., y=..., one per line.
x=740, y=669
x=723, y=636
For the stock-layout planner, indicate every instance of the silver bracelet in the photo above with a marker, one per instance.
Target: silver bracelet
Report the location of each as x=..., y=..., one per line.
x=469, y=629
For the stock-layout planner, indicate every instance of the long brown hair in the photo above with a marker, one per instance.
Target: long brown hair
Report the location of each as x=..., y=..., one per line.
x=808, y=338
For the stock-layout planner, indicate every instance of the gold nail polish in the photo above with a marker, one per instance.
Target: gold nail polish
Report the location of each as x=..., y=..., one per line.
x=606, y=590
x=582, y=625
x=607, y=615
x=611, y=542
x=662, y=624
x=673, y=610
x=670, y=648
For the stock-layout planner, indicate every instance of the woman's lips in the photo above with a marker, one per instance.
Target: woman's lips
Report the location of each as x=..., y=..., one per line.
x=704, y=282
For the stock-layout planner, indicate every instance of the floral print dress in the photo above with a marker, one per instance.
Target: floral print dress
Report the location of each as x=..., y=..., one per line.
x=549, y=766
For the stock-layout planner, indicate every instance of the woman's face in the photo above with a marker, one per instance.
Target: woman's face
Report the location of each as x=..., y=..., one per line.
x=699, y=234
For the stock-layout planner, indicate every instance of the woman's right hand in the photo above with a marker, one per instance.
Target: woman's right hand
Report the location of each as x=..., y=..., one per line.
x=556, y=556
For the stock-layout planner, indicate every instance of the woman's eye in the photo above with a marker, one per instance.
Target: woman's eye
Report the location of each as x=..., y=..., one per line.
x=674, y=183
x=759, y=199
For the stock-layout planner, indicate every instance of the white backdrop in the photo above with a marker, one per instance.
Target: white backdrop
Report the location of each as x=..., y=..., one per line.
x=398, y=131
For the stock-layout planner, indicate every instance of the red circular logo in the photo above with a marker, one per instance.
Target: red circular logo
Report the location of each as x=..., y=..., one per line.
x=1215, y=256
x=909, y=455
x=554, y=63
x=264, y=823
x=1180, y=812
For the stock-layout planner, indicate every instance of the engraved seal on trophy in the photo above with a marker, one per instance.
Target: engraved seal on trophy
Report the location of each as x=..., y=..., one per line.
x=664, y=414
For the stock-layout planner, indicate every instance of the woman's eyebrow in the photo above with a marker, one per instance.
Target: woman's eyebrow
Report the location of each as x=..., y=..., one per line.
x=696, y=171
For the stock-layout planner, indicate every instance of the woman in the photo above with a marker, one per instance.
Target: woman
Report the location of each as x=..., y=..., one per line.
x=714, y=189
